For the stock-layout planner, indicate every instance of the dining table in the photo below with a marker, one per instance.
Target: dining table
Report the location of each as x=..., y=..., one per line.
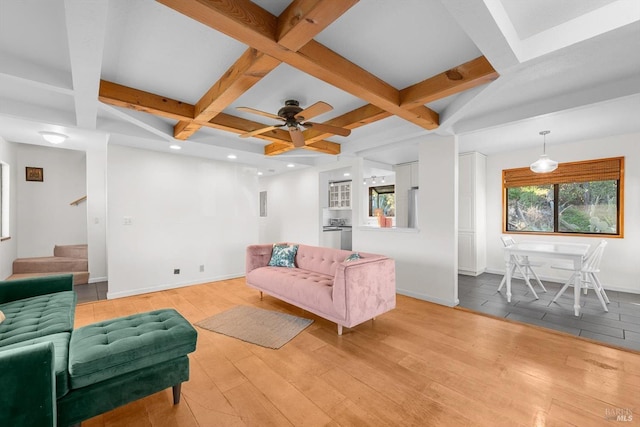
x=573, y=252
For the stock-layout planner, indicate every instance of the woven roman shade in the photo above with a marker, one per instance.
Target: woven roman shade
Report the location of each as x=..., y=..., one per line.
x=584, y=171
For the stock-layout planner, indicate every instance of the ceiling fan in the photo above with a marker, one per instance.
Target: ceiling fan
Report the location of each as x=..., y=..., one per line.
x=294, y=117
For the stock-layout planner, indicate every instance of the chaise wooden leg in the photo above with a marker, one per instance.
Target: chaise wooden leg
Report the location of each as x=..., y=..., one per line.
x=176, y=393
x=260, y=295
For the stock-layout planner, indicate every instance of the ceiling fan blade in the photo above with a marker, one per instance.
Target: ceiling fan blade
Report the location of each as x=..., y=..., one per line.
x=328, y=128
x=314, y=110
x=259, y=131
x=296, y=137
x=261, y=113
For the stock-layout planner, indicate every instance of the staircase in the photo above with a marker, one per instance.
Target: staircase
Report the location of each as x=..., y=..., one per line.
x=66, y=259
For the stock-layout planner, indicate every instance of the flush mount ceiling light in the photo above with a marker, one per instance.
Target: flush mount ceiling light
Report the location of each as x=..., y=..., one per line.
x=544, y=164
x=53, y=137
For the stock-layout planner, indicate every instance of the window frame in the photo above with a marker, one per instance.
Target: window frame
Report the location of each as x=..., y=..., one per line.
x=386, y=189
x=607, y=169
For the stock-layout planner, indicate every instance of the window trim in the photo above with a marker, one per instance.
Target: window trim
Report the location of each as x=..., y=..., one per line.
x=605, y=169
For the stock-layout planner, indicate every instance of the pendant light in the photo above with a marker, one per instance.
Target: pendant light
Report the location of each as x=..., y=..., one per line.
x=544, y=164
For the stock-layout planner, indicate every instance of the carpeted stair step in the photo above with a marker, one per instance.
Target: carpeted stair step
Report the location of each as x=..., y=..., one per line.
x=79, y=277
x=71, y=251
x=49, y=265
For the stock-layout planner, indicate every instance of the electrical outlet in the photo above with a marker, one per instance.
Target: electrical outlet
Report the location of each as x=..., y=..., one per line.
x=176, y=271
x=201, y=268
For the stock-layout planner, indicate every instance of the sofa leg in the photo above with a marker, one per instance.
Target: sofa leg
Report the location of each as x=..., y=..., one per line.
x=176, y=393
x=339, y=329
x=260, y=295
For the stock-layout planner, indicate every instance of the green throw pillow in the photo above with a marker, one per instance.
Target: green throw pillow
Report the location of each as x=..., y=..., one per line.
x=283, y=256
x=354, y=256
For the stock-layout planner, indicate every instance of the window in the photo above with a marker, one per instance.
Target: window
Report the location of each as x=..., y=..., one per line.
x=4, y=200
x=579, y=198
x=383, y=198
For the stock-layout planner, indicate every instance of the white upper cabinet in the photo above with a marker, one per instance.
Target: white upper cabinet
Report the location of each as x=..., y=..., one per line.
x=340, y=195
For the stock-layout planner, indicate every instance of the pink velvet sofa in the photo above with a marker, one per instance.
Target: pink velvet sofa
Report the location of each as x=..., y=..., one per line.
x=347, y=293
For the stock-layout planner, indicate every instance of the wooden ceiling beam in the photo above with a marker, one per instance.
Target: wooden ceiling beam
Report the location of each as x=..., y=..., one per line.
x=135, y=99
x=313, y=58
x=458, y=79
x=298, y=24
x=302, y=20
x=276, y=148
x=238, y=125
x=248, y=70
x=351, y=120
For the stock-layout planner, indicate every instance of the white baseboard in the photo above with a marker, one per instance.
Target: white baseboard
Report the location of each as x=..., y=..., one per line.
x=98, y=279
x=140, y=291
x=425, y=297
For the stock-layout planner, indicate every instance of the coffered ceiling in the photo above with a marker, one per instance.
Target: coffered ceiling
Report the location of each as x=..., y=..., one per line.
x=151, y=74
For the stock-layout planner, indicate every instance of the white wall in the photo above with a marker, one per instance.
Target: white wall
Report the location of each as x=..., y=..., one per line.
x=97, y=208
x=293, y=208
x=9, y=247
x=45, y=216
x=620, y=269
x=184, y=212
x=427, y=257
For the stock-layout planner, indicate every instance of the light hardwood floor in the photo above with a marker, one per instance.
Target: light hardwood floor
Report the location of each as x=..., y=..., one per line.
x=418, y=365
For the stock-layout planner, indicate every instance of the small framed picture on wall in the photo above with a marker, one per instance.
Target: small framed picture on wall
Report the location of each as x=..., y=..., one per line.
x=35, y=174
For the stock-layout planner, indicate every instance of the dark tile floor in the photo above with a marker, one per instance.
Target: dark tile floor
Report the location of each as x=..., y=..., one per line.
x=620, y=326
x=91, y=292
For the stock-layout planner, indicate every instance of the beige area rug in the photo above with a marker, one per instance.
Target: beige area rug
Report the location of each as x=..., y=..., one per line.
x=266, y=328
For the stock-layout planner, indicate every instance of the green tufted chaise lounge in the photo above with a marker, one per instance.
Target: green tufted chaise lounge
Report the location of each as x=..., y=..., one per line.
x=53, y=375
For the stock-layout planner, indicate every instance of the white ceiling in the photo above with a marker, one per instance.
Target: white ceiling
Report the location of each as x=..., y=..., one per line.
x=570, y=66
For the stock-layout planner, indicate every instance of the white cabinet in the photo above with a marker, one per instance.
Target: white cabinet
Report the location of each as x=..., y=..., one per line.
x=472, y=251
x=340, y=195
x=331, y=239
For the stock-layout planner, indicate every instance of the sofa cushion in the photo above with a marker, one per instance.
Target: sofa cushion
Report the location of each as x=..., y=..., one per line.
x=307, y=289
x=61, y=357
x=119, y=346
x=283, y=255
x=322, y=260
x=38, y=316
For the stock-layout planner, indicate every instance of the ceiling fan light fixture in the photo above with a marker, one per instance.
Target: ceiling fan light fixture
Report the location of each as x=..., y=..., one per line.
x=544, y=164
x=53, y=137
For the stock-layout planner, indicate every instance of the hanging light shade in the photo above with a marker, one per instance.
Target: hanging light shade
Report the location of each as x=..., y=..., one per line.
x=544, y=164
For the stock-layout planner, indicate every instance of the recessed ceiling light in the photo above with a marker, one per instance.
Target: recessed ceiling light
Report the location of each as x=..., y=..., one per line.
x=259, y=173
x=232, y=156
x=175, y=147
x=347, y=174
x=291, y=165
x=53, y=137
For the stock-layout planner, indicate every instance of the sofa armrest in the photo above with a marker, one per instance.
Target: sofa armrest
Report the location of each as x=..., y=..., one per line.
x=28, y=386
x=257, y=256
x=364, y=288
x=12, y=290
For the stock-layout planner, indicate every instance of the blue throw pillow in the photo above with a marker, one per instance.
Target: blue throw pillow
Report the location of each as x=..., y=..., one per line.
x=283, y=256
x=354, y=256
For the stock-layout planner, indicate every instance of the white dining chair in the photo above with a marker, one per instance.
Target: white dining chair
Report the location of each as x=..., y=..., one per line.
x=588, y=277
x=522, y=265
